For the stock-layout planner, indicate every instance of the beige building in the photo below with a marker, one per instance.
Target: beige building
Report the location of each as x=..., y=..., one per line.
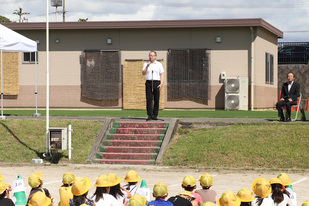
x=98, y=64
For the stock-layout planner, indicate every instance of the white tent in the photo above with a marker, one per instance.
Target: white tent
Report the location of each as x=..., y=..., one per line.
x=11, y=41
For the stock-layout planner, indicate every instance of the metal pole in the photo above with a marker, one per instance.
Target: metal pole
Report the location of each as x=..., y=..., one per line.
x=36, y=114
x=47, y=77
x=2, y=117
x=63, y=5
x=70, y=141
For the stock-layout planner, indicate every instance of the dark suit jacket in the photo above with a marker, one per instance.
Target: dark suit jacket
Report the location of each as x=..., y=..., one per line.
x=293, y=93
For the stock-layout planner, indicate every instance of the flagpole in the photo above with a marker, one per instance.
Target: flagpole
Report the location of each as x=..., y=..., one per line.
x=47, y=77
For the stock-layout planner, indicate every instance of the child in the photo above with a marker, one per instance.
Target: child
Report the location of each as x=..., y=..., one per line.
x=245, y=196
x=288, y=188
x=184, y=198
x=36, y=183
x=261, y=187
x=160, y=192
x=132, y=179
x=101, y=196
x=39, y=198
x=206, y=194
x=228, y=198
x=119, y=192
x=277, y=195
x=3, y=193
x=65, y=190
x=189, y=184
x=80, y=190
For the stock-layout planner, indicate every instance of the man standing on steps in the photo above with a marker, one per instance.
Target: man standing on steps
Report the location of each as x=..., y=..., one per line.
x=154, y=73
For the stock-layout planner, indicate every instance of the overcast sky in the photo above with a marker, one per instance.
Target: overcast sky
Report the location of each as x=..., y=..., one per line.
x=290, y=16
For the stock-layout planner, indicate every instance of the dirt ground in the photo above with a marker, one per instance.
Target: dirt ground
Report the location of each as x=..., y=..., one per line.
x=224, y=180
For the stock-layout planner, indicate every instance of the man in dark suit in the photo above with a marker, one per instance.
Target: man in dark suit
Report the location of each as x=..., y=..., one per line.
x=289, y=93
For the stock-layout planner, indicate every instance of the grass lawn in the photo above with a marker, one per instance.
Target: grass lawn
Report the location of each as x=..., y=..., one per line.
x=262, y=145
x=142, y=113
x=24, y=140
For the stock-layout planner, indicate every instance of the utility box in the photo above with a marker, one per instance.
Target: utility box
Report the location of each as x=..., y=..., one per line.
x=58, y=138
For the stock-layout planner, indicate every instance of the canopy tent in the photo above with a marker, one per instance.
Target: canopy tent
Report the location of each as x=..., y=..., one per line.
x=11, y=41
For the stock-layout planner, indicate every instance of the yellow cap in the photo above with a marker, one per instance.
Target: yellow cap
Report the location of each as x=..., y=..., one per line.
x=245, y=195
x=103, y=181
x=35, y=179
x=228, y=198
x=39, y=199
x=261, y=187
x=186, y=193
x=137, y=200
x=160, y=190
x=113, y=179
x=189, y=181
x=209, y=204
x=80, y=186
x=284, y=179
x=3, y=187
x=276, y=181
x=206, y=180
x=68, y=178
x=132, y=176
x=1, y=177
x=306, y=203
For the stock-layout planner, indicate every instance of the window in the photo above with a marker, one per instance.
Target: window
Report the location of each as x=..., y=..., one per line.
x=269, y=69
x=29, y=57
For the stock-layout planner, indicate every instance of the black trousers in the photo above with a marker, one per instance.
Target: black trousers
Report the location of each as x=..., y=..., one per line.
x=287, y=105
x=152, y=97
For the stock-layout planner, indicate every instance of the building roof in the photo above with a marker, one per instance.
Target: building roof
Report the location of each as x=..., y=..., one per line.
x=154, y=24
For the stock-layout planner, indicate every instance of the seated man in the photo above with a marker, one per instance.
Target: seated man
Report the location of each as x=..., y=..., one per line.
x=289, y=93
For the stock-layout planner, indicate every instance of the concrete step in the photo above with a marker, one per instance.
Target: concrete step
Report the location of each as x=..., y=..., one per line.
x=128, y=162
x=137, y=130
x=140, y=125
x=130, y=156
x=129, y=143
x=135, y=136
x=130, y=149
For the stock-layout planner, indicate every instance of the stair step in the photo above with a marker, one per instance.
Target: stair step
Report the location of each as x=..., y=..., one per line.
x=129, y=162
x=131, y=156
x=130, y=149
x=140, y=125
x=135, y=136
x=135, y=143
x=138, y=130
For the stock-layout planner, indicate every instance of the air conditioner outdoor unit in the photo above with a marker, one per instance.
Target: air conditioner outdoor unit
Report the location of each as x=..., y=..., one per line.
x=236, y=93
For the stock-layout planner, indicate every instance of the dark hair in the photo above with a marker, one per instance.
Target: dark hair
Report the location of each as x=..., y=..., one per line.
x=99, y=193
x=115, y=190
x=189, y=188
x=277, y=194
x=259, y=201
x=287, y=193
x=290, y=73
x=79, y=200
x=66, y=185
x=206, y=187
x=2, y=196
x=245, y=204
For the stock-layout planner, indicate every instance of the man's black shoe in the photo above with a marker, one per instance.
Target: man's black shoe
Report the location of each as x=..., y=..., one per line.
x=148, y=119
x=154, y=117
x=288, y=119
x=281, y=119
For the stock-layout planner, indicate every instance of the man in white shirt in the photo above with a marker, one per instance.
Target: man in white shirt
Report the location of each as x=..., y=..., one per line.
x=289, y=93
x=154, y=73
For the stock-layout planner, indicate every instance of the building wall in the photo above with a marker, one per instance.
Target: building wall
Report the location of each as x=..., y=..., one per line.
x=232, y=56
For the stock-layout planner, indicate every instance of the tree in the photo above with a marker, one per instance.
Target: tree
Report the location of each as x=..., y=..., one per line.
x=20, y=13
x=3, y=19
x=82, y=20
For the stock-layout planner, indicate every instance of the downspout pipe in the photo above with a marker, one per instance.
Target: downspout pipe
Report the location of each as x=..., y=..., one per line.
x=252, y=68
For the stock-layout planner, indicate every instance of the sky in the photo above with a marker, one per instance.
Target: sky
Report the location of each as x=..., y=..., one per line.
x=289, y=16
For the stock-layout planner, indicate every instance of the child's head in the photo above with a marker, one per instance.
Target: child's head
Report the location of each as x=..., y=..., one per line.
x=189, y=183
x=132, y=177
x=245, y=196
x=137, y=200
x=228, y=198
x=206, y=181
x=39, y=198
x=68, y=178
x=35, y=180
x=81, y=186
x=160, y=190
x=3, y=188
x=261, y=187
x=284, y=179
